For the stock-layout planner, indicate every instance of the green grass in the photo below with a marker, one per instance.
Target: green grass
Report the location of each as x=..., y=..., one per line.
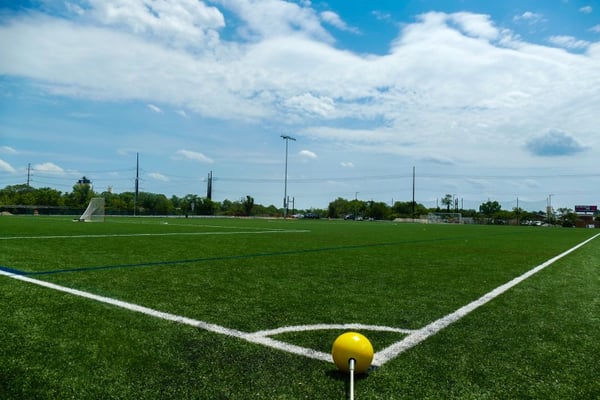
x=539, y=340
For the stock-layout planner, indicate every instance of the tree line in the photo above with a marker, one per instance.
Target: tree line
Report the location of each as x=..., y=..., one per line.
x=24, y=199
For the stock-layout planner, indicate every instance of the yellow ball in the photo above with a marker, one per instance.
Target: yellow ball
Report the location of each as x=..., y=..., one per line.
x=352, y=345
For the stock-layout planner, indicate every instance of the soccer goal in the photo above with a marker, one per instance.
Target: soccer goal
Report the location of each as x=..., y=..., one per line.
x=94, y=211
x=445, y=218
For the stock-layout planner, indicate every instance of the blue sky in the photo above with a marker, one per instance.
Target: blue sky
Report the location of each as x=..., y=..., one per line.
x=487, y=100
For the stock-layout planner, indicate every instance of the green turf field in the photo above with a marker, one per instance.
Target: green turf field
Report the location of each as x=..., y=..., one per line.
x=257, y=305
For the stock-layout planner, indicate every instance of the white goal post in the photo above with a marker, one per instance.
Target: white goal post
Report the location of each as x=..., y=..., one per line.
x=94, y=211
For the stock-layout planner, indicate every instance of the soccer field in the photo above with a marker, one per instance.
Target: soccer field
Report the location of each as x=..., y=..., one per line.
x=174, y=308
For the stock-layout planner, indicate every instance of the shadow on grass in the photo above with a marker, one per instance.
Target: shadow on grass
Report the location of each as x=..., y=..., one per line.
x=338, y=375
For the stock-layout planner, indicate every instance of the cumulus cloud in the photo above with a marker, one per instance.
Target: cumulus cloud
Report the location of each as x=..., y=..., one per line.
x=158, y=176
x=530, y=17
x=569, y=42
x=586, y=9
x=7, y=150
x=476, y=25
x=450, y=81
x=334, y=19
x=307, y=103
x=49, y=168
x=6, y=167
x=307, y=154
x=347, y=164
x=154, y=108
x=284, y=18
x=193, y=155
x=187, y=22
x=554, y=143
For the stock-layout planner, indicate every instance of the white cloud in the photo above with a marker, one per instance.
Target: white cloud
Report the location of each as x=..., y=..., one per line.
x=530, y=17
x=307, y=103
x=450, y=82
x=476, y=25
x=334, y=19
x=7, y=150
x=6, y=167
x=271, y=18
x=381, y=15
x=586, y=10
x=307, y=154
x=185, y=22
x=182, y=113
x=347, y=164
x=158, y=176
x=48, y=168
x=193, y=155
x=595, y=28
x=154, y=108
x=569, y=42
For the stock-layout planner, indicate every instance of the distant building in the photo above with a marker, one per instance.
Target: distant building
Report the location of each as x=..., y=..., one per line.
x=84, y=181
x=586, y=217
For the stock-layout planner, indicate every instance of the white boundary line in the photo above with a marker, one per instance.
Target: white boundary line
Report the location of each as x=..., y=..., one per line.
x=262, y=337
x=151, y=234
x=250, y=337
x=431, y=329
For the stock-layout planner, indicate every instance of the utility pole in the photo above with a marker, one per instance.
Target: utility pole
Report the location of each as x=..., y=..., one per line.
x=285, y=199
x=28, y=174
x=413, y=193
x=137, y=181
x=209, y=187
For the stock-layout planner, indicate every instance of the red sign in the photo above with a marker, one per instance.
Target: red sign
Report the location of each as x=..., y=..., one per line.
x=586, y=208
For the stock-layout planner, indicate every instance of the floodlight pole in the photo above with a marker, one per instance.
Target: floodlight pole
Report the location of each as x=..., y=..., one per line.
x=285, y=199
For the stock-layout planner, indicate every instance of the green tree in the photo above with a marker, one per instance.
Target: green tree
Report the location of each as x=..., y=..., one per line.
x=567, y=217
x=48, y=197
x=248, y=203
x=490, y=208
x=447, y=201
x=338, y=208
x=378, y=210
x=80, y=196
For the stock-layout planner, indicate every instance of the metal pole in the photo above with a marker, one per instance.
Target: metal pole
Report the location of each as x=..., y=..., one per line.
x=352, y=364
x=285, y=199
x=137, y=181
x=413, y=190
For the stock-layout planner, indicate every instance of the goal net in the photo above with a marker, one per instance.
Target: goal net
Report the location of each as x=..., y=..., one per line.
x=94, y=211
x=445, y=218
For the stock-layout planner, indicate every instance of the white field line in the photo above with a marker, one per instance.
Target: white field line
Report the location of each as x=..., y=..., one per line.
x=420, y=335
x=192, y=225
x=261, y=337
x=250, y=337
x=316, y=327
x=150, y=234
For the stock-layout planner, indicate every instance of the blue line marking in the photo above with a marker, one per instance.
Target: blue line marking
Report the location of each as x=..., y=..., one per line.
x=238, y=257
x=12, y=271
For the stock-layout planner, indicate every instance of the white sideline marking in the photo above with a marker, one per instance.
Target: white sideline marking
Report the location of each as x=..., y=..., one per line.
x=250, y=337
x=151, y=234
x=420, y=335
x=262, y=337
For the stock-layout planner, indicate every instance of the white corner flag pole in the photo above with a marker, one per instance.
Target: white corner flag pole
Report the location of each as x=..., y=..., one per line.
x=351, y=363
